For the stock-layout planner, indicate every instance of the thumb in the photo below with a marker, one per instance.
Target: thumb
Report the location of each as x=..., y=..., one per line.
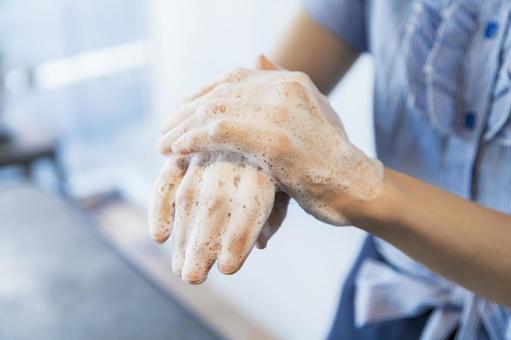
x=264, y=63
x=277, y=216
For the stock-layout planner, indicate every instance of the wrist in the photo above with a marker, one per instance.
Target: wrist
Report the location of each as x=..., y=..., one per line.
x=380, y=210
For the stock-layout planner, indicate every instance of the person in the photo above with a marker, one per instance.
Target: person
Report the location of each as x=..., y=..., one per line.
x=438, y=262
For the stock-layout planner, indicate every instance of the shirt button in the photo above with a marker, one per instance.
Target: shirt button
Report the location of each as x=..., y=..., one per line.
x=491, y=29
x=470, y=120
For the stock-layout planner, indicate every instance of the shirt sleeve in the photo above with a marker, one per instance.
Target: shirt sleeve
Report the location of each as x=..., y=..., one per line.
x=344, y=18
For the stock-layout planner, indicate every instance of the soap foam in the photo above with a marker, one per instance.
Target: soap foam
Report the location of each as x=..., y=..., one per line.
x=161, y=211
x=302, y=149
x=230, y=203
x=296, y=137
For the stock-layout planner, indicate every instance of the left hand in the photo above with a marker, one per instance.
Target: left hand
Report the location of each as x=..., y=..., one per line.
x=282, y=123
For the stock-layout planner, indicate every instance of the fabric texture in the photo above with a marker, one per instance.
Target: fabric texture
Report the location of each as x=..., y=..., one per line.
x=442, y=105
x=343, y=18
x=344, y=322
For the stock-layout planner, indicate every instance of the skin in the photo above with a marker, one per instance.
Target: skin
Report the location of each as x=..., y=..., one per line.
x=324, y=49
x=325, y=59
x=214, y=208
x=457, y=238
x=221, y=208
x=211, y=222
x=308, y=47
x=423, y=221
x=282, y=123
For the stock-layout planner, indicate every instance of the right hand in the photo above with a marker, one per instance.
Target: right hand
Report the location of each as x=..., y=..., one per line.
x=280, y=122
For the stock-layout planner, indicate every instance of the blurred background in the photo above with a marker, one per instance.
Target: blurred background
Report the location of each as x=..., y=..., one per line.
x=84, y=85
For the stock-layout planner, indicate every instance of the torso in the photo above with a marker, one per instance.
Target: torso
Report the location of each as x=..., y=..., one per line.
x=443, y=97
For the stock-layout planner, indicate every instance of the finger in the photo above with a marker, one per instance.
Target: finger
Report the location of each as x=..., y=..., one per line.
x=254, y=199
x=182, y=113
x=262, y=240
x=235, y=137
x=263, y=63
x=220, y=87
x=164, y=144
x=211, y=216
x=215, y=109
x=277, y=216
x=208, y=87
x=161, y=208
x=221, y=91
x=186, y=196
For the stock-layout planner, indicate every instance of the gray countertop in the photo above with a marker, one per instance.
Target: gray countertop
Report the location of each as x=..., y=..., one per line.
x=60, y=280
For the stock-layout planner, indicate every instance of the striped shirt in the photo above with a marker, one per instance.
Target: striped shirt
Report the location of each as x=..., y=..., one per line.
x=442, y=113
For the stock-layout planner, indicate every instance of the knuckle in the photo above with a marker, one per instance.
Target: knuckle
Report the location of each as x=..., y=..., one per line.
x=239, y=74
x=283, y=140
x=295, y=89
x=282, y=145
x=294, y=86
x=213, y=108
x=301, y=77
x=222, y=90
x=282, y=114
x=219, y=129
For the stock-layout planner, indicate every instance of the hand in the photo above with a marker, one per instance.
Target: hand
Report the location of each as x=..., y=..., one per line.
x=282, y=123
x=220, y=207
x=180, y=190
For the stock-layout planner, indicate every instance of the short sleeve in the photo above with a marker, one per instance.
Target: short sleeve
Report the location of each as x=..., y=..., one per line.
x=345, y=18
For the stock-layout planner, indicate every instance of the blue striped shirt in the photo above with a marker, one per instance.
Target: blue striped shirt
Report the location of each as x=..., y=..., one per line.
x=442, y=113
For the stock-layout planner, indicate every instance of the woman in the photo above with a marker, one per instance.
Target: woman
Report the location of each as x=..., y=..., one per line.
x=443, y=131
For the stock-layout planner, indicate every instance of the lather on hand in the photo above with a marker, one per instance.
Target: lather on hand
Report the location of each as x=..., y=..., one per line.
x=281, y=123
x=217, y=206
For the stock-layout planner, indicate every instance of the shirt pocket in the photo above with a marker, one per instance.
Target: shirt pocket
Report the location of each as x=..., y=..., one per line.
x=436, y=60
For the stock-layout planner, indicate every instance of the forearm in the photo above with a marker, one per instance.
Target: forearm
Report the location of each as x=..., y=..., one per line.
x=309, y=47
x=459, y=239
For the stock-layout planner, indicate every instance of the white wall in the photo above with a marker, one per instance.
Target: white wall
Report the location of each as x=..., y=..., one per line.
x=292, y=287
